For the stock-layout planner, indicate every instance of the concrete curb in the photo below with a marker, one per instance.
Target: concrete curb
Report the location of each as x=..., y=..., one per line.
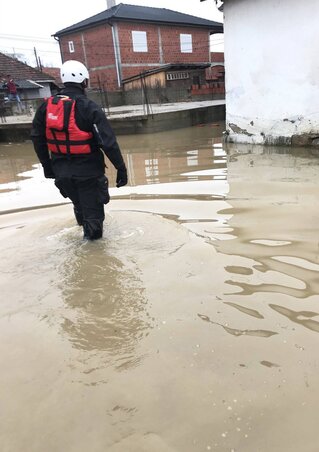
x=17, y=129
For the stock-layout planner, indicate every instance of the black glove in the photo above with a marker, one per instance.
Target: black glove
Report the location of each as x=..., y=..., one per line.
x=121, y=177
x=48, y=171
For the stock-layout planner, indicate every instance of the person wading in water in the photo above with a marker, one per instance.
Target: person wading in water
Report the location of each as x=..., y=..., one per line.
x=68, y=132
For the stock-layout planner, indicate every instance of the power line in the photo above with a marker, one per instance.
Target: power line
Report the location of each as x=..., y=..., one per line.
x=27, y=38
x=20, y=49
x=56, y=52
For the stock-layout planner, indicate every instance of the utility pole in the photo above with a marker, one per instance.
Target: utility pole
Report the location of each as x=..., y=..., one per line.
x=36, y=57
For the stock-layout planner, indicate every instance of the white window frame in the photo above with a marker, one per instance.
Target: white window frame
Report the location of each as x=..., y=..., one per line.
x=139, y=40
x=71, y=46
x=186, y=42
x=177, y=75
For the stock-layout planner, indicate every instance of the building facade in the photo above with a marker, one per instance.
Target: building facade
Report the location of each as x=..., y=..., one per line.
x=126, y=40
x=272, y=71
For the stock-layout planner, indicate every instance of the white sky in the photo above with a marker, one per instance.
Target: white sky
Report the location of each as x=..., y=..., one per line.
x=34, y=21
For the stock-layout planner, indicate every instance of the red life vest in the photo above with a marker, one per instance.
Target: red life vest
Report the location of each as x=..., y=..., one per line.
x=62, y=133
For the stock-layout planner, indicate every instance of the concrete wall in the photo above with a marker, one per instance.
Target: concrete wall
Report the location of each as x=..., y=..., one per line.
x=134, y=125
x=272, y=71
x=168, y=120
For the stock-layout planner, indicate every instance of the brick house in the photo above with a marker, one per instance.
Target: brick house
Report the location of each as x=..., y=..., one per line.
x=125, y=40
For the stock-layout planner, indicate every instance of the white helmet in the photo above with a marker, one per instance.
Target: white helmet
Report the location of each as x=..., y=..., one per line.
x=74, y=71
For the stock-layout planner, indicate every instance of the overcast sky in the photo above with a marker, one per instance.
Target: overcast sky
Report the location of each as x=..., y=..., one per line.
x=32, y=23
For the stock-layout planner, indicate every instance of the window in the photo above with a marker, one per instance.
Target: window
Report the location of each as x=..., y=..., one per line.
x=192, y=158
x=186, y=43
x=71, y=47
x=139, y=39
x=177, y=75
x=151, y=170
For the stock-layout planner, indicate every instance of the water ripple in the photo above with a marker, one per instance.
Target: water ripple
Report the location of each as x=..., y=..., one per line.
x=294, y=316
x=237, y=332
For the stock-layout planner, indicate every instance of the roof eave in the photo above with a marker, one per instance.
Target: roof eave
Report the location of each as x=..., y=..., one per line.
x=168, y=66
x=111, y=21
x=68, y=31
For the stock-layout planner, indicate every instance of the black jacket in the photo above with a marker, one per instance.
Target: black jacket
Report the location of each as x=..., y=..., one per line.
x=90, y=118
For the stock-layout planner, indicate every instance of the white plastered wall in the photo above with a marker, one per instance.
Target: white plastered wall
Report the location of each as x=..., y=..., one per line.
x=272, y=69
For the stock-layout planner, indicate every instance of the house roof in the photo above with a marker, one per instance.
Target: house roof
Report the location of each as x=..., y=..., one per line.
x=54, y=72
x=168, y=67
x=21, y=71
x=123, y=12
x=27, y=84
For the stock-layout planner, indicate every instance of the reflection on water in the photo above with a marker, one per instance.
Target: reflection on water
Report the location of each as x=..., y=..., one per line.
x=15, y=159
x=105, y=301
x=247, y=311
x=295, y=317
x=191, y=326
x=237, y=332
x=274, y=220
x=153, y=164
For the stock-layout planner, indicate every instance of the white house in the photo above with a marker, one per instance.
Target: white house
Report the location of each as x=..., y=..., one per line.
x=272, y=71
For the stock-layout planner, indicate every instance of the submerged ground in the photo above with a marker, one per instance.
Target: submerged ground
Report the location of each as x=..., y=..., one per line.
x=191, y=326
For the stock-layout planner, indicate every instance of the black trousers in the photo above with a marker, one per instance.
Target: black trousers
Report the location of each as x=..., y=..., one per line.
x=88, y=196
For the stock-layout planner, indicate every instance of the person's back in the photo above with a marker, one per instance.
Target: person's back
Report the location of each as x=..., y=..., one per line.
x=11, y=86
x=69, y=131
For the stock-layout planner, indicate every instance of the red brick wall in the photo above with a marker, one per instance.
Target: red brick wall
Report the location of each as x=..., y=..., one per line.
x=99, y=46
x=126, y=44
x=171, y=45
x=215, y=73
x=99, y=51
x=78, y=48
x=98, y=54
x=170, y=37
x=104, y=78
x=217, y=57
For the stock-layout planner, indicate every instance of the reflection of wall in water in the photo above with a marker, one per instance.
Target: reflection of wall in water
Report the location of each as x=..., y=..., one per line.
x=273, y=199
x=15, y=159
x=166, y=166
x=257, y=165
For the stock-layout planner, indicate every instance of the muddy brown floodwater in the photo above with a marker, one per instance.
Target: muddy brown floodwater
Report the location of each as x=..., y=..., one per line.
x=191, y=326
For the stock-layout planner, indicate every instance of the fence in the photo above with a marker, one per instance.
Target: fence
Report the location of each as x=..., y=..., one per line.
x=146, y=95
x=143, y=96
